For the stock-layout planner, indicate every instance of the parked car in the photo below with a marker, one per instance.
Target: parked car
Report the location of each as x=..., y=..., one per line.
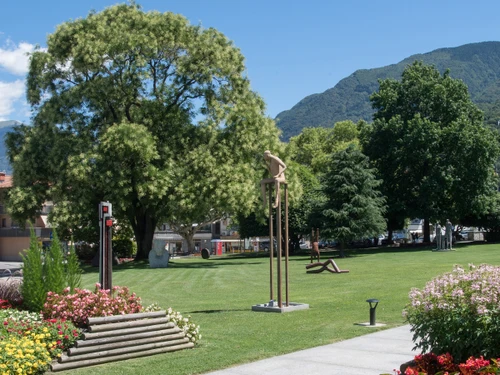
x=363, y=242
x=463, y=236
x=264, y=245
x=303, y=245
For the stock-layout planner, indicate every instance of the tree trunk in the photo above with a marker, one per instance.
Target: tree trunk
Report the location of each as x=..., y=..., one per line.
x=341, y=249
x=144, y=228
x=389, y=236
x=189, y=237
x=427, y=231
x=294, y=242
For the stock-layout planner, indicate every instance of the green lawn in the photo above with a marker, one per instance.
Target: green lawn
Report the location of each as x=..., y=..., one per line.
x=218, y=293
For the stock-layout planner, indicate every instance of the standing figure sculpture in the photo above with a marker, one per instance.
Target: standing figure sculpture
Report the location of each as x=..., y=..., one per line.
x=448, y=234
x=438, y=237
x=315, y=245
x=277, y=169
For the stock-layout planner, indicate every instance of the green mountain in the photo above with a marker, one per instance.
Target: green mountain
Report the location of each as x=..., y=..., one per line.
x=477, y=64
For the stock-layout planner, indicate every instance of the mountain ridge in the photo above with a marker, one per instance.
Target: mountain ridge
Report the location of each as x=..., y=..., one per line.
x=477, y=64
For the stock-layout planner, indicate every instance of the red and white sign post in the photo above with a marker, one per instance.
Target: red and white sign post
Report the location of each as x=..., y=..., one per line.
x=105, y=249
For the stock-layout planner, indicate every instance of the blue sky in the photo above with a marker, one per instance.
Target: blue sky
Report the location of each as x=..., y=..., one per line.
x=292, y=48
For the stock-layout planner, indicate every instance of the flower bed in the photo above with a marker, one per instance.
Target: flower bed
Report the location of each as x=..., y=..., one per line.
x=458, y=313
x=83, y=304
x=29, y=341
x=432, y=364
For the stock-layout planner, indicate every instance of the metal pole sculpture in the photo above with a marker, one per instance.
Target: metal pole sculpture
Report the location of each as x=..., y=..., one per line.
x=277, y=168
x=105, y=248
x=286, y=245
x=271, y=244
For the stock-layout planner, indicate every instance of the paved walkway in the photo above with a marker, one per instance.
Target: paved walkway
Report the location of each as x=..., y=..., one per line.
x=371, y=354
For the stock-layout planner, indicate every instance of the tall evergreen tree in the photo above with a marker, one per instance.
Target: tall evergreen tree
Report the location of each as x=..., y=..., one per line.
x=33, y=287
x=54, y=266
x=354, y=206
x=73, y=270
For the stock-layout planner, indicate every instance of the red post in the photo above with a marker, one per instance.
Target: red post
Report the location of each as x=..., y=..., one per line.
x=105, y=245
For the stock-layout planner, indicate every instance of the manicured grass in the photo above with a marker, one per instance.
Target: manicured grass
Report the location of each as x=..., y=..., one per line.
x=218, y=293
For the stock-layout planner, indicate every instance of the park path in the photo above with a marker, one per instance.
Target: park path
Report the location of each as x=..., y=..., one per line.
x=372, y=354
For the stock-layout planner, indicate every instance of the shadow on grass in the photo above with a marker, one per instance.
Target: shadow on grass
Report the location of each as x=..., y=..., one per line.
x=413, y=248
x=234, y=259
x=216, y=263
x=410, y=248
x=215, y=311
x=202, y=264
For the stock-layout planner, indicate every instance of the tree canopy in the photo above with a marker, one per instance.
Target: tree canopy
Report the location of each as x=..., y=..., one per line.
x=354, y=206
x=430, y=146
x=143, y=110
x=313, y=146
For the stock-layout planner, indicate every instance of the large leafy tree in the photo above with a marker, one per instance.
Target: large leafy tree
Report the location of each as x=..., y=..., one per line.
x=354, y=207
x=303, y=212
x=313, y=146
x=146, y=111
x=430, y=147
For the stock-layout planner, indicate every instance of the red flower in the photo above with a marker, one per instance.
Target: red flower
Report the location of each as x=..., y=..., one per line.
x=411, y=371
x=472, y=365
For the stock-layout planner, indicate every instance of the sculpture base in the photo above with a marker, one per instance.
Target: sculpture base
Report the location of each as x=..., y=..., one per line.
x=272, y=306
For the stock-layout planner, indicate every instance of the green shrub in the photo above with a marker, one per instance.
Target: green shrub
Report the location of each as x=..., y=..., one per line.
x=86, y=251
x=124, y=248
x=33, y=288
x=47, y=273
x=458, y=313
x=54, y=267
x=73, y=270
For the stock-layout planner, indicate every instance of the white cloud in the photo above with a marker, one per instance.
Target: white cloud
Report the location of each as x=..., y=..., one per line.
x=10, y=94
x=14, y=58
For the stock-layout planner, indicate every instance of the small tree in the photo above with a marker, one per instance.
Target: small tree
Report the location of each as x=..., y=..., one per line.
x=73, y=270
x=54, y=267
x=354, y=206
x=48, y=272
x=32, y=288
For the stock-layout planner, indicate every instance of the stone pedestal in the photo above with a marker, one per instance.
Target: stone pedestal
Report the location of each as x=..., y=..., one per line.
x=158, y=259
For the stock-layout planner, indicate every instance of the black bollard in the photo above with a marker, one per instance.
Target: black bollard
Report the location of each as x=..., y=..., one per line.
x=372, y=310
